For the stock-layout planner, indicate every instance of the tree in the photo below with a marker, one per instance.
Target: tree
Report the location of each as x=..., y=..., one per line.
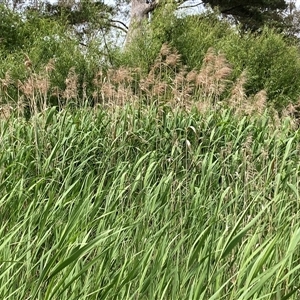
x=10, y=24
x=251, y=15
x=292, y=21
x=138, y=14
x=86, y=18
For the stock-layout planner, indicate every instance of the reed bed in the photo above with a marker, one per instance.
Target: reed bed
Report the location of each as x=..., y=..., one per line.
x=173, y=184
x=167, y=81
x=149, y=202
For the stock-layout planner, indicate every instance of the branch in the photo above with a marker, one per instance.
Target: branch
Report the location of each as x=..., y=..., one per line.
x=189, y=6
x=181, y=2
x=152, y=6
x=82, y=44
x=117, y=21
x=119, y=27
x=106, y=46
x=228, y=10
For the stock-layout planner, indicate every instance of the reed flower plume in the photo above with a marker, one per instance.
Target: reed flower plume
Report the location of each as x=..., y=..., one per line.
x=253, y=105
x=260, y=101
x=27, y=87
x=108, y=91
x=5, y=111
x=213, y=77
x=36, y=88
x=71, y=90
x=165, y=50
x=50, y=66
x=121, y=75
x=172, y=59
x=291, y=114
x=238, y=94
x=293, y=110
x=191, y=76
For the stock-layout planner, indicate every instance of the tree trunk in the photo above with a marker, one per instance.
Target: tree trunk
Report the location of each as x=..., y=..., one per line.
x=138, y=15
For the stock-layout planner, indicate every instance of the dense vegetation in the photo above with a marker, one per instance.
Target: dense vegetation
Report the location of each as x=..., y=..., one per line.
x=149, y=203
x=270, y=60
x=252, y=15
x=166, y=171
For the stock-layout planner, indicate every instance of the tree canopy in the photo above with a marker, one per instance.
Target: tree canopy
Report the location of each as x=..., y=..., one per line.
x=249, y=15
x=252, y=15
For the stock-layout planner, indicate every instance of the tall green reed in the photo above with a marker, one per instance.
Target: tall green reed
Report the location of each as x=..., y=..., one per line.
x=148, y=202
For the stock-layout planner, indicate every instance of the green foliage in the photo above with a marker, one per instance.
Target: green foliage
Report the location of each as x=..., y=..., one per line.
x=251, y=15
x=194, y=35
x=83, y=12
x=148, y=203
x=86, y=17
x=272, y=62
x=11, y=37
x=40, y=40
x=143, y=50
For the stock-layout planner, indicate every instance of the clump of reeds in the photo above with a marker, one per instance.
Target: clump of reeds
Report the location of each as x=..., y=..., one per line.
x=241, y=103
x=121, y=206
x=291, y=114
x=113, y=87
x=5, y=111
x=157, y=84
x=71, y=90
x=5, y=83
x=212, y=79
x=168, y=82
x=34, y=91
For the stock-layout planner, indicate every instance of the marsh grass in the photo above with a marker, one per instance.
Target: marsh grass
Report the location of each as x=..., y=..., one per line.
x=175, y=185
x=167, y=81
x=149, y=203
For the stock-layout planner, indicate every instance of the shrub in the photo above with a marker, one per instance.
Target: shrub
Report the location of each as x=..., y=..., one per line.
x=271, y=62
x=43, y=41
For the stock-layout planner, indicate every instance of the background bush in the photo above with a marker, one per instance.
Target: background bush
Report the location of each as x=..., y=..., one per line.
x=270, y=60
